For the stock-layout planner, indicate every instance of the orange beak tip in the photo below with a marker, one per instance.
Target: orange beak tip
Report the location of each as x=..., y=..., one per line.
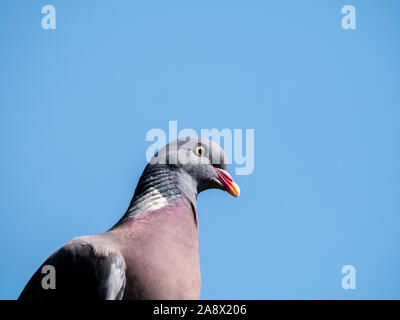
x=235, y=190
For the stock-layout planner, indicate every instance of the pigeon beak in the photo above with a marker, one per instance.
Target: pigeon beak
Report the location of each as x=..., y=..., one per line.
x=230, y=185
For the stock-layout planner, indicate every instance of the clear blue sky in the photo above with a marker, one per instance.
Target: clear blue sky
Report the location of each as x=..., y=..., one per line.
x=76, y=104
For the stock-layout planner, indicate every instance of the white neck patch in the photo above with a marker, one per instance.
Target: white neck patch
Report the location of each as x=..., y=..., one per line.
x=152, y=200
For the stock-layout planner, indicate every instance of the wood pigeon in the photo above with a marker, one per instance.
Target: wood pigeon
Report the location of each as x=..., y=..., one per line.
x=153, y=251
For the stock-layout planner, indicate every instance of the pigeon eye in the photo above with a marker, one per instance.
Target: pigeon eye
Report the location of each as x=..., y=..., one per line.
x=199, y=151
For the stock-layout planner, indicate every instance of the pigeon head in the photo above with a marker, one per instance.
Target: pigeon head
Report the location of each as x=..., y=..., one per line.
x=184, y=167
x=199, y=164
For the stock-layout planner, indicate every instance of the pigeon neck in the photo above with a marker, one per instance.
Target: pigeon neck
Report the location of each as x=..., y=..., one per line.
x=160, y=186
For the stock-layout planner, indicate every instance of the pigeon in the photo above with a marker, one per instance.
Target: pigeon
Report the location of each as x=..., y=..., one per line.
x=152, y=252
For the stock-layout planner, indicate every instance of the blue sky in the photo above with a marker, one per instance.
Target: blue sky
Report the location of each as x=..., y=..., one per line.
x=76, y=104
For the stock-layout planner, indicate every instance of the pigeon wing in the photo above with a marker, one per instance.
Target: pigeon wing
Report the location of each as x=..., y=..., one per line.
x=84, y=269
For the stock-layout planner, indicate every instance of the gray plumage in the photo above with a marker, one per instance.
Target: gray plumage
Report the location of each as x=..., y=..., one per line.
x=152, y=252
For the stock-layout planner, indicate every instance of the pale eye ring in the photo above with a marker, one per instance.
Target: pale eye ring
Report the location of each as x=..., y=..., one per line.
x=199, y=151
